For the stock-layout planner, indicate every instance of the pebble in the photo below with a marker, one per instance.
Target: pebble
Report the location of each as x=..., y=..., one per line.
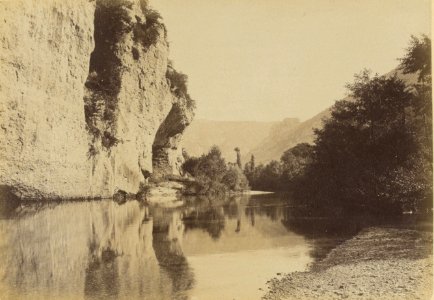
x=375, y=275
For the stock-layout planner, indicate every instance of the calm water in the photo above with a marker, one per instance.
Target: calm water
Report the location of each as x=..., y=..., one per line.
x=201, y=249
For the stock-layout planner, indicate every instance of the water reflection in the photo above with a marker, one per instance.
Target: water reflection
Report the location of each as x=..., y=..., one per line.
x=204, y=249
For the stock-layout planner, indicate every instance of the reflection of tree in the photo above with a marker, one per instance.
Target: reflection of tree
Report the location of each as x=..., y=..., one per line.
x=272, y=212
x=211, y=220
x=265, y=205
x=323, y=232
x=252, y=217
x=232, y=207
x=102, y=277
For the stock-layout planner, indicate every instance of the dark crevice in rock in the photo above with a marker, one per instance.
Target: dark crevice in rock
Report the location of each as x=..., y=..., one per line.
x=112, y=22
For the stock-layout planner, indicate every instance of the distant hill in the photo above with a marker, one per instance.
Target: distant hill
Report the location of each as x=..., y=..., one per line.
x=202, y=134
x=284, y=135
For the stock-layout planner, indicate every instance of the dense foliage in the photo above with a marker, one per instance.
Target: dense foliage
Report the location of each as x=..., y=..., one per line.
x=375, y=151
x=279, y=175
x=178, y=84
x=212, y=174
x=148, y=32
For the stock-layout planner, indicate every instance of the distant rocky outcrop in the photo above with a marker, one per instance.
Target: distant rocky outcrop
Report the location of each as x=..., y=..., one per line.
x=86, y=106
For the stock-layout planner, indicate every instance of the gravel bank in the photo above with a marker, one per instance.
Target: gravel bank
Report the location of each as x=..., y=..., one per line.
x=378, y=263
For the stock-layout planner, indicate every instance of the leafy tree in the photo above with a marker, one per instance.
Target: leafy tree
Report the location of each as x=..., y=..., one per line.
x=279, y=175
x=249, y=168
x=212, y=175
x=367, y=151
x=212, y=165
x=294, y=162
x=235, y=180
x=267, y=177
x=373, y=153
x=418, y=60
x=418, y=57
x=364, y=141
x=252, y=162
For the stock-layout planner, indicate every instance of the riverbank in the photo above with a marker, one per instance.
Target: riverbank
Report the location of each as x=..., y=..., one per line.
x=378, y=263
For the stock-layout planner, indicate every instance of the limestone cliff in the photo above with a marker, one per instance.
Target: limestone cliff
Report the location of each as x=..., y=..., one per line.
x=85, y=98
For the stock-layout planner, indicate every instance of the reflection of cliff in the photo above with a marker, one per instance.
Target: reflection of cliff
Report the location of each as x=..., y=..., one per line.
x=96, y=250
x=167, y=242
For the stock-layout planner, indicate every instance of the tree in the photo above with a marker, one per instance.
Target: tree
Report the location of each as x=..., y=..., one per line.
x=293, y=163
x=249, y=169
x=213, y=175
x=269, y=176
x=364, y=143
x=418, y=57
x=235, y=180
x=252, y=162
x=418, y=60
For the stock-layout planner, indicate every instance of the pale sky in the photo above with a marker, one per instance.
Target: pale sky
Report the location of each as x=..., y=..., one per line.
x=267, y=60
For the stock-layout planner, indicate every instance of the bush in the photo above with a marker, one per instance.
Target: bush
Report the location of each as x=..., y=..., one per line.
x=178, y=85
x=147, y=33
x=108, y=140
x=212, y=175
x=235, y=179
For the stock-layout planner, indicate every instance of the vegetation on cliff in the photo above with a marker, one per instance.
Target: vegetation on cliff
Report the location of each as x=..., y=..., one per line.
x=148, y=32
x=373, y=153
x=178, y=84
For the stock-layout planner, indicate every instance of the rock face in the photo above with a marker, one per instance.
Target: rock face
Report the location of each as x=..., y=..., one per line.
x=83, y=94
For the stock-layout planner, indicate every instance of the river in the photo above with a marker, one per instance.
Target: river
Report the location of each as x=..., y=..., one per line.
x=197, y=248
